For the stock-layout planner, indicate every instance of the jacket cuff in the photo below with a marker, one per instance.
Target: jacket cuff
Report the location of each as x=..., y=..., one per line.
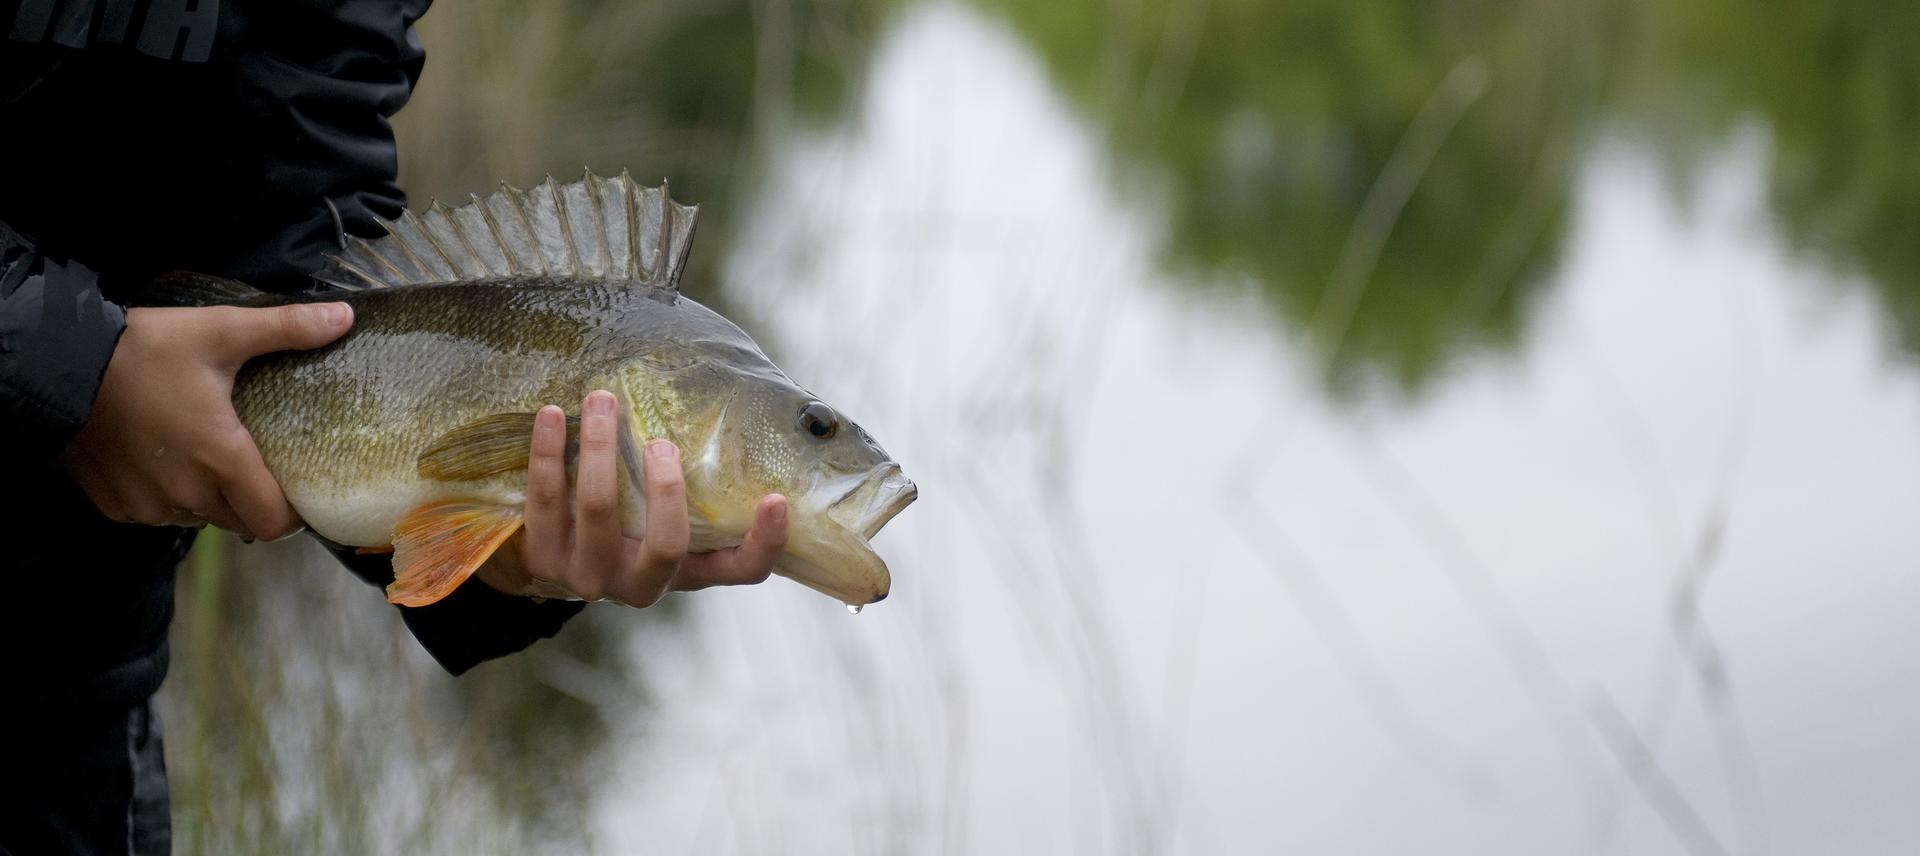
x=474, y=624
x=57, y=334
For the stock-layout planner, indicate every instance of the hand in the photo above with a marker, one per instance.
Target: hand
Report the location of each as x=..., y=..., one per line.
x=163, y=446
x=584, y=554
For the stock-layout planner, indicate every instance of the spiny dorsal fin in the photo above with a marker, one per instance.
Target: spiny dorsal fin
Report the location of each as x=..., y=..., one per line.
x=594, y=228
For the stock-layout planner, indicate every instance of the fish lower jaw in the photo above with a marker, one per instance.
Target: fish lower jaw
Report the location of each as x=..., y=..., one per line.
x=826, y=557
x=849, y=596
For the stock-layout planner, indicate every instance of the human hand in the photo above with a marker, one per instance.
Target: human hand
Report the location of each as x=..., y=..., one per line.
x=583, y=553
x=163, y=445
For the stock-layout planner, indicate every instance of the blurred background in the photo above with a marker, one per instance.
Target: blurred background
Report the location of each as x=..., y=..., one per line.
x=1389, y=427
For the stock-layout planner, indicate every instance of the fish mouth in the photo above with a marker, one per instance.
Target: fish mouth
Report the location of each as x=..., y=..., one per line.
x=828, y=551
x=885, y=492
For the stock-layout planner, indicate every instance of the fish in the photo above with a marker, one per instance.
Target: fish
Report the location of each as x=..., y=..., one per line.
x=412, y=431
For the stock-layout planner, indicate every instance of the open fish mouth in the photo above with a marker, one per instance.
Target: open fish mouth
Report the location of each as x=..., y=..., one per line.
x=829, y=552
x=885, y=492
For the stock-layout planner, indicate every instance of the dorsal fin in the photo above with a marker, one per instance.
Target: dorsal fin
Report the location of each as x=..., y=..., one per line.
x=594, y=228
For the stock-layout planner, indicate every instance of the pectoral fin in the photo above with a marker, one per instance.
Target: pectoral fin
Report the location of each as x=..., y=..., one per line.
x=486, y=447
x=438, y=545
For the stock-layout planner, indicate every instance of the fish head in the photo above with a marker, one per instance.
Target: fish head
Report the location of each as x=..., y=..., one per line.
x=747, y=430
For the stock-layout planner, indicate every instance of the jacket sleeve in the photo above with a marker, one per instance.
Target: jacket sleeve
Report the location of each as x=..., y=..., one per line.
x=323, y=78
x=474, y=624
x=57, y=334
x=320, y=81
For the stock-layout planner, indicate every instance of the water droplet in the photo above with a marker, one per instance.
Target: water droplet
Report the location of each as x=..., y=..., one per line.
x=853, y=609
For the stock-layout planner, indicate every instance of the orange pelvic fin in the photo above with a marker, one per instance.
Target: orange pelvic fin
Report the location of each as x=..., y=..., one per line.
x=438, y=545
x=373, y=551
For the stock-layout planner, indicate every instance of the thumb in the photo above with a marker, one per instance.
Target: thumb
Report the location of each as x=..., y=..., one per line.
x=295, y=327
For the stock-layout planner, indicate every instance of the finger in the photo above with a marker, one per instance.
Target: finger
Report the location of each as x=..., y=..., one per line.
x=666, y=541
x=548, y=524
x=148, y=512
x=247, y=486
x=597, y=537
x=184, y=492
x=112, y=507
x=658, y=557
x=181, y=517
x=116, y=503
x=155, y=503
x=247, y=332
x=748, y=564
x=201, y=506
x=219, y=512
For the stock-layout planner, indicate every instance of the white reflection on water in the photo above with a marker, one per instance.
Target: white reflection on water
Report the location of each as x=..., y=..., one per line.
x=1087, y=651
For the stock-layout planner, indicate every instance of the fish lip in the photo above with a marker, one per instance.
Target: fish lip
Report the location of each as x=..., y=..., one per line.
x=876, y=499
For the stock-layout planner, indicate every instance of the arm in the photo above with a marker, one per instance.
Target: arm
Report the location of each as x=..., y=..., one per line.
x=56, y=336
x=320, y=81
x=324, y=80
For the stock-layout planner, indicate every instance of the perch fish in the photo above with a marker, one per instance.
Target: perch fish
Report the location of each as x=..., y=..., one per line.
x=411, y=432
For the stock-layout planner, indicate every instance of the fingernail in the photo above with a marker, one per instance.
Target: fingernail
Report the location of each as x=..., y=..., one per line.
x=779, y=512
x=662, y=449
x=600, y=403
x=334, y=314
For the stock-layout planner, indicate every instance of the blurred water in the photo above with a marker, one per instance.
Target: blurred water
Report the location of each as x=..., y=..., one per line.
x=1096, y=642
x=1638, y=584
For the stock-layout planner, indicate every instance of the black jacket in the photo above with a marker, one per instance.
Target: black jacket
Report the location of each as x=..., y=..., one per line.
x=239, y=138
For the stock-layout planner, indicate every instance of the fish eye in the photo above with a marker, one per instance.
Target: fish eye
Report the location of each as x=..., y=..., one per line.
x=819, y=420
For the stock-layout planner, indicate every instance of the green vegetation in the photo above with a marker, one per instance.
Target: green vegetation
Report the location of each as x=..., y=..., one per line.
x=1837, y=87
x=1268, y=125
x=1271, y=122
